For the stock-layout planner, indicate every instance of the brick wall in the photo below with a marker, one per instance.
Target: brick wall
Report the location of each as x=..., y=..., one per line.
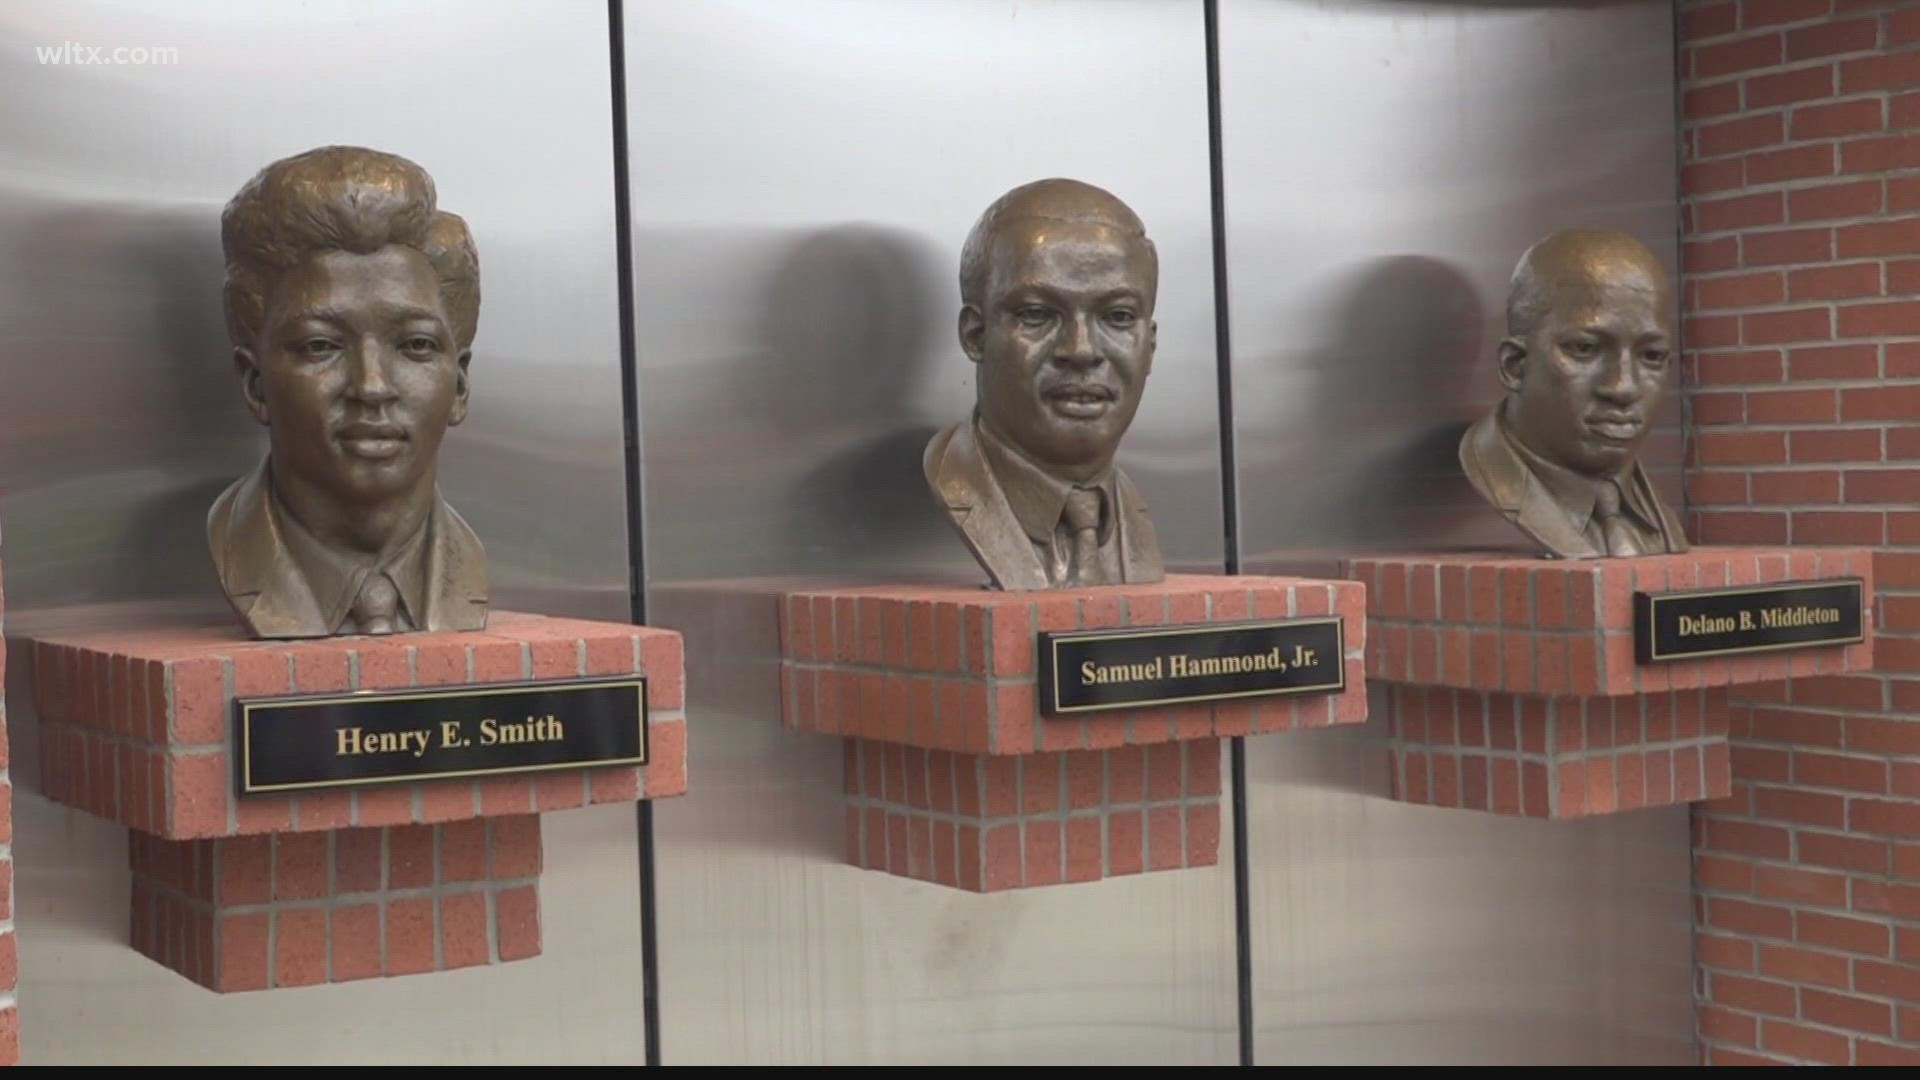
x=1801, y=261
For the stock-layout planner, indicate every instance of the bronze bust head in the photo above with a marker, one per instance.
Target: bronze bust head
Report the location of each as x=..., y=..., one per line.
x=352, y=302
x=1057, y=286
x=1587, y=358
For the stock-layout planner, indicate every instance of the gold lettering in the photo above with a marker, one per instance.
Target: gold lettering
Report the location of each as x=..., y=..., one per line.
x=1089, y=672
x=348, y=741
x=489, y=731
x=450, y=733
x=1746, y=619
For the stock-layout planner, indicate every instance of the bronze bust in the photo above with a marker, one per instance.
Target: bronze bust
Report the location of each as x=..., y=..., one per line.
x=352, y=303
x=1586, y=360
x=1057, y=286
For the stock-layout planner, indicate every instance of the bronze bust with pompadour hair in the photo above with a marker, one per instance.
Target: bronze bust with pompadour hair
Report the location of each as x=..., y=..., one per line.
x=352, y=302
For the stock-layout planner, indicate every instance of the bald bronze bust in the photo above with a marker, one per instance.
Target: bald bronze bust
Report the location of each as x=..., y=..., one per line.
x=1057, y=286
x=1587, y=358
x=352, y=302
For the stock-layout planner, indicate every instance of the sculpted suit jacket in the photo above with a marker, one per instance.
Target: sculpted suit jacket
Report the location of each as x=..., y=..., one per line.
x=271, y=594
x=1506, y=481
x=965, y=486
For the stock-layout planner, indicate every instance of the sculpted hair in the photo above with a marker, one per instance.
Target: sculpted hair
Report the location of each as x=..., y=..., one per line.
x=341, y=198
x=1048, y=200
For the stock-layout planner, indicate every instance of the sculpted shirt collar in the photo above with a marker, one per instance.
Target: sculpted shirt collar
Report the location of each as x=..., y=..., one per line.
x=335, y=578
x=1039, y=498
x=1573, y=491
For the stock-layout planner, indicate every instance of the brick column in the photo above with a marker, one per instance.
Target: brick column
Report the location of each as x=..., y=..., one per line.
x=1801, y=262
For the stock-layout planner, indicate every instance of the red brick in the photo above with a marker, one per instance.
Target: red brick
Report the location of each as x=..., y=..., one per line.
x=1787, y=87
x=1835, y=282
x=1793, y=163
x=1743, y=447
x=242, y=952
x=1803, y=965
x=1729, y=953
x=1904, y=110
x=1877, y=735
x=1800, y=324
x=1869, y=1052
x=1880, y=403
x=1829, y=38
x=1888, y=236
x=300, y=947
x=1838, y=118
x=1758, y=13
x=1814, y=769
x=1884, y=817
x=517, y=911
x=1745, y=917
x=1807, y=447
x=301, y=865
x=1716, y=100
x=1712, y=331
x=463, y=930
x=1739, y=212
x=1753, y=995
x=1903, y=26
x=1884, y=72
x=1745, y=54
x=1728, y=1026
x=1807, y=1043
x=409, y=935
x=1903, y=279
x=1842, y=852
x=1838, y=527
x=1886, y=980
x=1719, y=253
x=1882, y=485
x=1846, y=1011
x=1742, y=134
x=1796, y=487
x=1843, y=932
x=1879, y=320
x=356, y=942
x=1707, y=21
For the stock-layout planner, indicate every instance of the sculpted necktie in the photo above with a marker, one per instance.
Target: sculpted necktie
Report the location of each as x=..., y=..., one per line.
x=374, y=608
x=1083, y=518
x=1606, y=506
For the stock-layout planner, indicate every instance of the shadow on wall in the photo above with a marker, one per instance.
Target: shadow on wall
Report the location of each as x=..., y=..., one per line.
x=126, y=423
x=799, y=440
x=1369, y=458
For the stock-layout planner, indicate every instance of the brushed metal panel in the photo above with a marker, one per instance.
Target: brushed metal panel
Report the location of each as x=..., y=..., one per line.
x=803, y=175
x=120, y=420
x=1371, y=236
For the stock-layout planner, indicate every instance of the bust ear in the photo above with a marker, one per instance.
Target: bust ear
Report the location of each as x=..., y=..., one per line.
x=248, y=366
x=973, y=332
x=1513, y=362
x=459, y=411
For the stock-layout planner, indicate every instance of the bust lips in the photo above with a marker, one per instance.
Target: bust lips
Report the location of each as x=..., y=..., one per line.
x=1080, y=400
x=375, y=441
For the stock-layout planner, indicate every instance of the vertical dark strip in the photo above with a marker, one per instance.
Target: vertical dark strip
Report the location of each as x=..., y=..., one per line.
x=630, y=426
x=1230, y=518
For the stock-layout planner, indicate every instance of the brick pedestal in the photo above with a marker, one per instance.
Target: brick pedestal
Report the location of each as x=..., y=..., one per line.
x=955, y=777
x=1517, y=690
x=234, y=892
x=295, y=909
x=986, y=822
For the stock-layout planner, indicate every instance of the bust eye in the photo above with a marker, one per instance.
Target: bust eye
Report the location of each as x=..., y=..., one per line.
x=1033, y=316
x=318, y=348
x=420, y=346
x=1581, y=350
x=1121, y=318
x=1654, y=357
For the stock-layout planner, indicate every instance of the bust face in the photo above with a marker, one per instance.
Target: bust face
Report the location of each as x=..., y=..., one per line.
x=1585, y=383
x=357, y=373
x=1065, y=339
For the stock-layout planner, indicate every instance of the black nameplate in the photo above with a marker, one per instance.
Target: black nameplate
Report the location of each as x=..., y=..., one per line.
x=1751, y=618
x=1085, y=670
x=376, y=737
